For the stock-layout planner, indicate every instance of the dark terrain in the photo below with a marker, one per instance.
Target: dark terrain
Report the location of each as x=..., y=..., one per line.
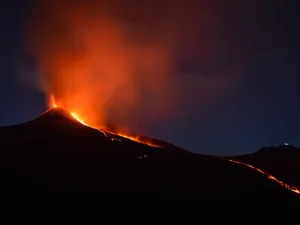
x=54, y=155
x=281, y=161
x=55, y=152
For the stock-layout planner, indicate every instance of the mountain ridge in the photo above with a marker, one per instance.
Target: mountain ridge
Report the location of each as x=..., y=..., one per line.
x=57, y=150
x=54, y=157
x=281, y=161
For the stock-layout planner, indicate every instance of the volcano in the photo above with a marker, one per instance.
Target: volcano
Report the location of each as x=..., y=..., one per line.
x=55, y=152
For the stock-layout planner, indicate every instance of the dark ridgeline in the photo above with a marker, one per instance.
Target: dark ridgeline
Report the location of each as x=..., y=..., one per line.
x=56, y=154
x=281, y=161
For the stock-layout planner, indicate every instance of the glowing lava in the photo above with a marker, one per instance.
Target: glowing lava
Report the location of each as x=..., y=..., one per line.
x=78, y=119
x=130, y=137
x=289, y=187
x=53, y=104
x=137, y=139
x=133, y=138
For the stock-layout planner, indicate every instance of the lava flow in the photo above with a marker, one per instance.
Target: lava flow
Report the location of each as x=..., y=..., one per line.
x=53, y=104
x=289, y=187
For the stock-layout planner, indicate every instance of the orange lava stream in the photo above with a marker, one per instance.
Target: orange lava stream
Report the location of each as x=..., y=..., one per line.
x=78, y=119
x=137, y=139
x=289, y=187
x=53, y=104
x=133, y=138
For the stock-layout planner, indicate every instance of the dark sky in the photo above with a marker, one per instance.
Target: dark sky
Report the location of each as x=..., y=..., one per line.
x=237, y=65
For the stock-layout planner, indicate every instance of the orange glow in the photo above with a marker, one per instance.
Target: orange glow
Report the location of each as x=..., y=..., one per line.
x=137, y=139
x=78, y=119
x=52, y=102
x=289, y=187
x=133, y=138
x=87, y=59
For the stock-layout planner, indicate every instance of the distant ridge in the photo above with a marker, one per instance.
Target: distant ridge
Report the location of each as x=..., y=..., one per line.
x=282, y=161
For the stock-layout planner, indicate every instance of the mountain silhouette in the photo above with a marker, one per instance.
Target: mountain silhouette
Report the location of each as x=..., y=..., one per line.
x=57, y=150
x=281, y=161
x=55, y=154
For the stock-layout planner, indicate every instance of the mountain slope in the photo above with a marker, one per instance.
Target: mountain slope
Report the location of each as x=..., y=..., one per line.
x=280, y=161
x=54, y=161
x=56, y=153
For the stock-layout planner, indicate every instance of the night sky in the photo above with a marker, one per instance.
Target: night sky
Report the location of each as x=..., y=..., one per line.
x=237, y=66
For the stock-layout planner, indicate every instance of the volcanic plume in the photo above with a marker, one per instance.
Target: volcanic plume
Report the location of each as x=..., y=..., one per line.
x=100, y=67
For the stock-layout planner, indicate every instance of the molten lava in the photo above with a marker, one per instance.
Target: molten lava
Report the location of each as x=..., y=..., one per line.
x=53, y=104
x=78, y=119
x=271, y=177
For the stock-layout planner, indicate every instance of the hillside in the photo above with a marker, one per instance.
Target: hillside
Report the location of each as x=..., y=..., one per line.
x=281, y=161
x=56, y=152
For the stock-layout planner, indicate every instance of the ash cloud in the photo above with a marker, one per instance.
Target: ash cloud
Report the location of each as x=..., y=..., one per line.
x=115, y=63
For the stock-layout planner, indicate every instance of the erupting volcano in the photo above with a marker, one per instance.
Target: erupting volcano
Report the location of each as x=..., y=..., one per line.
x=54, y=105
x=88, y=65
x=115, y=76
x=58, y=152
x=59, y=138
x=105, y=79
x=108, y=134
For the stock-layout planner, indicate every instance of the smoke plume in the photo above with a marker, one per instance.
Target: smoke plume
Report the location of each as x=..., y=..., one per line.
x=115, y=63
x=107, y=65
